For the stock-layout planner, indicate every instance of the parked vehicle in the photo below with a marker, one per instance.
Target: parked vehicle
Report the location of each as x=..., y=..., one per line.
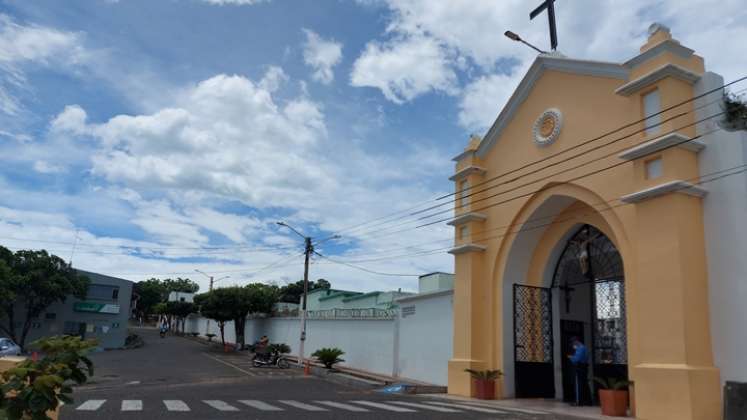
x=270, y=358
x=9, y=348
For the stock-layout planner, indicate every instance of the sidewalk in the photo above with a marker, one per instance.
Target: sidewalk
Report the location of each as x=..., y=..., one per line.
x=558, y=408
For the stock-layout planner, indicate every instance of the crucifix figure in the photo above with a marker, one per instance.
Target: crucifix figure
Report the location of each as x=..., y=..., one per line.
x=550, y=6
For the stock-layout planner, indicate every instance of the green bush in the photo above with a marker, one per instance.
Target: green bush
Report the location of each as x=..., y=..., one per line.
x=33, y=388
x=612, y=383
x=328, y=356
x=281, y=348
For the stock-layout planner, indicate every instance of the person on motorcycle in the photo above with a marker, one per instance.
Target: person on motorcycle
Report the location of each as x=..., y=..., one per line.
x=164, y=329
x=262, y=349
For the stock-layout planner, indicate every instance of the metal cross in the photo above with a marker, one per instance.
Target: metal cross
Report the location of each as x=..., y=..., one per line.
x=550, y=6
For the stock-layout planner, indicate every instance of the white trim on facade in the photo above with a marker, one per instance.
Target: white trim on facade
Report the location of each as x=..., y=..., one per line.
x=469, y=170
x=677, y=186
x=648, y=79
x=542, y=63
x=463, y=249
x=669, y=45
x=466, y=218
x=660, y=143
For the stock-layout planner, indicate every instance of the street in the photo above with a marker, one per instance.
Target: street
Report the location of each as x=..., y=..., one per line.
x=178, y=378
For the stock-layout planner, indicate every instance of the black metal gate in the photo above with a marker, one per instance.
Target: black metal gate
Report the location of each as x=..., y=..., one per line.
x=534, y=371
x=610, y=346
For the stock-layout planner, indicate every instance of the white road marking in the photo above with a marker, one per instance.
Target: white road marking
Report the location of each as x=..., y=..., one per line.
x=132, y=405
x=385, y=407
x=91, y=405
x=425, y=407
x=259, y=405
x=220, y=405
x=302, y=406
x=507, y=408
x=468, y=407
x=230, y=365
x=176, y=405
x=342, y=406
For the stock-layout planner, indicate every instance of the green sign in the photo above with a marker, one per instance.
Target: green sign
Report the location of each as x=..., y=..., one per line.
x=103, y=308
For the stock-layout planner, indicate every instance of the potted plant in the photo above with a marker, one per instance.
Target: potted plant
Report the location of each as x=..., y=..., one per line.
x=484, y=382
x=34, y=388
x=328, y=356
x=210, y=337
x=613, y=396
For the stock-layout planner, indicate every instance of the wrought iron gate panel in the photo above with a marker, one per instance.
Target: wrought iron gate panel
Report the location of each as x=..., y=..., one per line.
x=610, y=328
x=533, y=342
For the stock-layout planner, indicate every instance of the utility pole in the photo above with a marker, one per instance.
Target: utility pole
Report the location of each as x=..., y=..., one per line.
x=210, y=289
x=308, y=250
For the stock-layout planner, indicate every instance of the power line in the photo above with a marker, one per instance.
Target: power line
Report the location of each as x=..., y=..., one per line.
x=366, y=269
x=739, y=169
x=720, y=88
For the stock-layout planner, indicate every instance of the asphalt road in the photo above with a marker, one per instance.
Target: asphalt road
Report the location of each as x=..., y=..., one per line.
x=177, y=378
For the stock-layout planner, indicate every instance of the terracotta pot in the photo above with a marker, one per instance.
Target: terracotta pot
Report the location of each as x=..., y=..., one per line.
x=614, y=402
x=484, y=388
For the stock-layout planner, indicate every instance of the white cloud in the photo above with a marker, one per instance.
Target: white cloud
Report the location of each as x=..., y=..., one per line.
x=321, y=55
x=405, y=68
x=24, y=44
x=483, y=96
x=45, y=167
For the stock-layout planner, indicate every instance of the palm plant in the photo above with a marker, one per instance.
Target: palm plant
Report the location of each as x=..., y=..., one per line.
x=328, y=356
x=485, y=375
x=612, y=383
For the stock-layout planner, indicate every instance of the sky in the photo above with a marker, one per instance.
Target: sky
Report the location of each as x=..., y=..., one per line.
x=153, y=138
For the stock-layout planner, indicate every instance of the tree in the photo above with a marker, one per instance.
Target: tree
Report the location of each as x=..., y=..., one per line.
x=292, y=292
x=235, y=304
x=31, y=281
x=154, y=291
x=180, y=311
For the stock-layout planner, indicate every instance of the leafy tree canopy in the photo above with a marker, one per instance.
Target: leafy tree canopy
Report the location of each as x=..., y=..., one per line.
x=154, y=291
x=33, y=280
x=291, y=293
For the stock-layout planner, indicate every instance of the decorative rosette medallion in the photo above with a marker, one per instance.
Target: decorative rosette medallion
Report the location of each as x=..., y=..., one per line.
x=547, y=127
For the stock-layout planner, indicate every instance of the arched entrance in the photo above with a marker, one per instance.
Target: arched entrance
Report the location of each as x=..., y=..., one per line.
x=586, y=299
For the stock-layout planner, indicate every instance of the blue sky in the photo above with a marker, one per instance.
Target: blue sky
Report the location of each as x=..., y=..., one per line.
x=170, y=135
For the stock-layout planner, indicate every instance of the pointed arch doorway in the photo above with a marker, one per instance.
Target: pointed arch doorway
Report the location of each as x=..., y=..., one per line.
x=586, y=299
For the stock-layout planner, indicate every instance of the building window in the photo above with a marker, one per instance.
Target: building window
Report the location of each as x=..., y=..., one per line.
x=651, y=106
x=464, y=232
x=653, y=168
x=463, y=193
x=102, y=292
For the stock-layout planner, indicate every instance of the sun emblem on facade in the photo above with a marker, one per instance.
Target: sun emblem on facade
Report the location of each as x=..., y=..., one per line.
x=547, y=127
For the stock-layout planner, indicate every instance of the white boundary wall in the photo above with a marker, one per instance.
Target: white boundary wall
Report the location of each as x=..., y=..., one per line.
x=417, y=346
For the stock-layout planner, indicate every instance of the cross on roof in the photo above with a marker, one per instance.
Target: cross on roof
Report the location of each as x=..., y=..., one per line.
x=550, y=6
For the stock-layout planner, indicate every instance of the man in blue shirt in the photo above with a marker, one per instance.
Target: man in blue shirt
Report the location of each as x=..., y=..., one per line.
x=580, y=361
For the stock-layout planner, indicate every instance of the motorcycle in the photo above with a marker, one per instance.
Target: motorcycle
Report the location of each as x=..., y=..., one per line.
x=270, y=358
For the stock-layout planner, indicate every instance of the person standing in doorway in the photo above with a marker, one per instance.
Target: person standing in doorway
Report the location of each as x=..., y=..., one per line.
x=580, y=361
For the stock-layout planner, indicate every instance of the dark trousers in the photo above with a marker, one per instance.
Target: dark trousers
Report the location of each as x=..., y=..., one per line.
x=581, y=376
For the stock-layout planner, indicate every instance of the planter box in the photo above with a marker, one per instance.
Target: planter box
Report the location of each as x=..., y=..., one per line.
x=484, y=389
x=614, y=402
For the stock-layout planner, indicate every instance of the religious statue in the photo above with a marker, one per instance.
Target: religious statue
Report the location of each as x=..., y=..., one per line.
x=583, y=255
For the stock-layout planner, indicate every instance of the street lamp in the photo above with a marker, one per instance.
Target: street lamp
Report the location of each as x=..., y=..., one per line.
x=514, y=37
x=210, y=289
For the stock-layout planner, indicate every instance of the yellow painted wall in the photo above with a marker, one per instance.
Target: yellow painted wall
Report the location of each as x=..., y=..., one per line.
x=660, y=239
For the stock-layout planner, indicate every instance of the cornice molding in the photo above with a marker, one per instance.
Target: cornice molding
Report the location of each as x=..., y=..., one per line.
x=666, y=46
x=677, y=186
x=648, y=79
x=660, y=143
x=467, y=171
x=466, y=218
x=463, y=249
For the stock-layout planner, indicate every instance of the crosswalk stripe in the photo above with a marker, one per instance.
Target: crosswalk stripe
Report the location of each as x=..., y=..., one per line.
x=342, y=406
x=506, y=408
x=220, y=405
x=469, y=407
x=302, y=406
x=260, y=405
x=91, y=405
x=425, y=407
x=132, y=405
x=176, y=405
x=385, y=407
